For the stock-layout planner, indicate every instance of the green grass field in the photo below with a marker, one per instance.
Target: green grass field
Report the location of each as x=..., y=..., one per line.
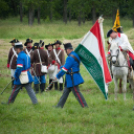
x=102, y=117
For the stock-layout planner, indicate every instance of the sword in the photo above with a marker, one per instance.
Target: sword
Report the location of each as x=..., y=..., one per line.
x=6, y=86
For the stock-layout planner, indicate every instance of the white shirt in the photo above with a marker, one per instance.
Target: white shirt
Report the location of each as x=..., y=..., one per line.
x=123, y=42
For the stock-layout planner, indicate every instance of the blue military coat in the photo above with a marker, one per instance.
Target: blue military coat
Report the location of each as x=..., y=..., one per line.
x=71, y=63
x=23, y=64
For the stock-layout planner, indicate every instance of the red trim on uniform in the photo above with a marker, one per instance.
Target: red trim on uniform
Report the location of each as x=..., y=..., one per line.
x=25, y=70
x=131, y=55
x=29, y=47
x=53, y=62
x=20, y=64
x=58, y=48
x=108, y=52
x=128, y=61
x=41, y=47
x=79, y=97
x=119, y=35
x=8, y=65
x=120, y=48
x=59, y=66
x=65, y=68
x=12, y=94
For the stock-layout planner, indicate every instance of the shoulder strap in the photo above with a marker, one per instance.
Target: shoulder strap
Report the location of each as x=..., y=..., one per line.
x=39, y=56
x=14, y=52
x=28, y=53
x=56, y=55
x=76, y=59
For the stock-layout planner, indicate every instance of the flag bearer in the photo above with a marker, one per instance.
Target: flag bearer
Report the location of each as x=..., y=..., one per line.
x=73, y=77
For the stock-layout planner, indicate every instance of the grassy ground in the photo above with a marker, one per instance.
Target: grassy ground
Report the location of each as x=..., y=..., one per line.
x=102, y=117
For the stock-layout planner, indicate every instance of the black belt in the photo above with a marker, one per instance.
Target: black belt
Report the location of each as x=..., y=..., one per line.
x=72, y=72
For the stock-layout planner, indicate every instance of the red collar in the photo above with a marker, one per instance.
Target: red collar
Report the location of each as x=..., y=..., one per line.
x=58, y=48
x=119, y=35
x=29, y=47
x=41, y=47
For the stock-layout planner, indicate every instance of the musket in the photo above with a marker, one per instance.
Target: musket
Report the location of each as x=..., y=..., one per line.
x=6, y=86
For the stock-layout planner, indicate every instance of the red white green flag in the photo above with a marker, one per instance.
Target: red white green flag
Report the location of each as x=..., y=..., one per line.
x=92, y=54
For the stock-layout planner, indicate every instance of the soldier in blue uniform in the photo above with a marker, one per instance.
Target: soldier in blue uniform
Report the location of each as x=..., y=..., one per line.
x=73, y=77
x=23, y=65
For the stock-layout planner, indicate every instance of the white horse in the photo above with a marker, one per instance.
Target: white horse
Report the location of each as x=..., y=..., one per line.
x=120, y=69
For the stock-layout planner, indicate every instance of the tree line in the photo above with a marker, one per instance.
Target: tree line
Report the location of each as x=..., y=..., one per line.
x=67, y=10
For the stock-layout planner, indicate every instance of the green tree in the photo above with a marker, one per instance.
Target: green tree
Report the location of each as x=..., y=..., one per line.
x=130, y=10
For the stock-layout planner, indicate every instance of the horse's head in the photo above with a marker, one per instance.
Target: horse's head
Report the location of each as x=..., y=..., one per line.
x=114, y=50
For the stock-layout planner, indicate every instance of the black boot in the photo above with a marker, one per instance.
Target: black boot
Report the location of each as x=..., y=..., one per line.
x=36, y=88
x=50, y=80
x=61, y=86
x=42, y=87
x=56, y=85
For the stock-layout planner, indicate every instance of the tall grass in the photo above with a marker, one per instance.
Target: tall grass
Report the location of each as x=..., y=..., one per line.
x=12, y=28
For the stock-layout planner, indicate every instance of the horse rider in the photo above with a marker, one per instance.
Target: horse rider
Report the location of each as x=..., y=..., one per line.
x=22, y=76
x=122, y=41
x=58, y=58
x=12, y=58
x=73, y=77
x=39, y=58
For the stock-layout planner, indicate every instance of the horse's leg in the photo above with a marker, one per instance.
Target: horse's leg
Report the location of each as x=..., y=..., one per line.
x=120, y=86
x=116, y=86
x=124, y=88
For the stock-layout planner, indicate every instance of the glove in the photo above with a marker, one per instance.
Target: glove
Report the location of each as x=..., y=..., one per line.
x=8, y=65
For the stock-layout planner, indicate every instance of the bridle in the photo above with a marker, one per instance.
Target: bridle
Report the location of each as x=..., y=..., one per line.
x=117, y=57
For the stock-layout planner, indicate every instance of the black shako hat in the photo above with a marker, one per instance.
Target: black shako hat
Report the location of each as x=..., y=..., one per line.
x=57, y=42
x=68, y=46
x=41, y=43
x=18, y=45
x=109, y=32
x=14, y=41
x=50, y=44
x=28, y=41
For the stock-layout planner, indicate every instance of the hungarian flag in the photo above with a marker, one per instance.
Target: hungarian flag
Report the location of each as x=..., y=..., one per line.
x=92, y=54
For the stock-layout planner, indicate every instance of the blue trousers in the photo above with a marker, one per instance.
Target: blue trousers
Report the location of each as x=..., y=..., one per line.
x=39, y=78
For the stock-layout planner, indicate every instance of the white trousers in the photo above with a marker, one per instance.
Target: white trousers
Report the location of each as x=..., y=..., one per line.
x=12, y=72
